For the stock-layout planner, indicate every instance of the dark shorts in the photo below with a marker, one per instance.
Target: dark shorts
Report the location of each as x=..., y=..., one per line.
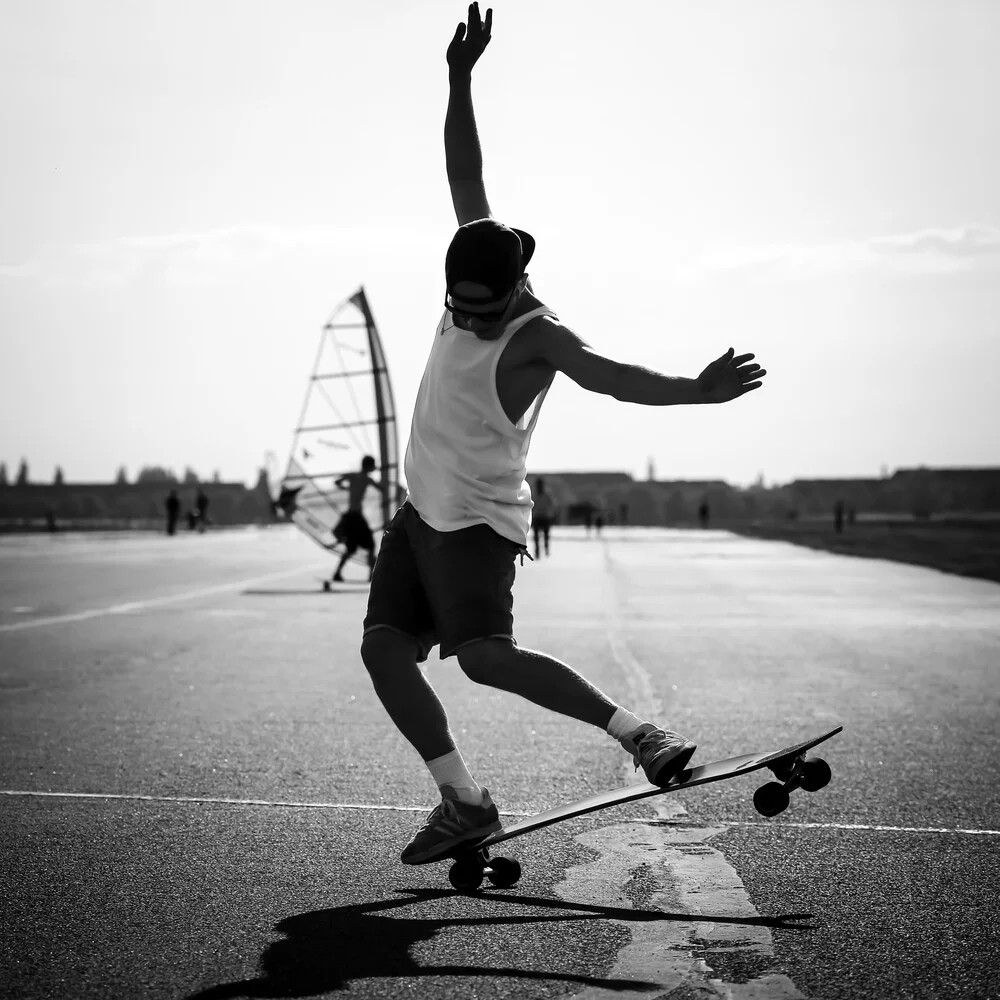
x=447, y=587
x=353, y=533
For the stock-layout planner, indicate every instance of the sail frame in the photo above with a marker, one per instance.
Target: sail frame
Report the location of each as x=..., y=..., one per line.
x=363, y=400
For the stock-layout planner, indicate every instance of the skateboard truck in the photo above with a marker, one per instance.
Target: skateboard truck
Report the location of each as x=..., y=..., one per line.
x=809, y=773
x=471, y=866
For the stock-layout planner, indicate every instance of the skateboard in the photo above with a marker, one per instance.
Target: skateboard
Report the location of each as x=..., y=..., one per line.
x=471, y=861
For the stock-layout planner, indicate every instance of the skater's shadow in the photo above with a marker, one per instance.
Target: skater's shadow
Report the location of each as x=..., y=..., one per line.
x=326, y=949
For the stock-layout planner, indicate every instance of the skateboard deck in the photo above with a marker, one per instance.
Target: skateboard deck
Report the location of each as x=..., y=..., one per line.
x=791, y=766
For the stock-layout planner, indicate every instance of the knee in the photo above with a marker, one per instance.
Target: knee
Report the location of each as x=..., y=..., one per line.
x=484, y=660
x=385, y=652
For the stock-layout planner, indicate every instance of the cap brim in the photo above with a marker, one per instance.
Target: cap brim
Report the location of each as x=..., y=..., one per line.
x=527, y=246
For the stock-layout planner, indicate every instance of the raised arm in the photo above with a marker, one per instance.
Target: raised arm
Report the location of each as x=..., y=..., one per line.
x=463, y=155
x=726, y=378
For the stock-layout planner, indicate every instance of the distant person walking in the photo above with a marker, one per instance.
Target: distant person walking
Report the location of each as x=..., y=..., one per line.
x=446, y=566
x=201, y=510
x=838, y=516
x=543, y=513
x=704, y=512
x=173, y=505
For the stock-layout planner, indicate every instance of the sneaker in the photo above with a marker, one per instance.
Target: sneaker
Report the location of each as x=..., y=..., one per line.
x=450, y=824
x=661, y=754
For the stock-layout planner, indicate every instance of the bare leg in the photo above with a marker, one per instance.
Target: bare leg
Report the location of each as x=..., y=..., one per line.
x=554, y=685
x=343, y=562
x=391, y=661
x=538, y=677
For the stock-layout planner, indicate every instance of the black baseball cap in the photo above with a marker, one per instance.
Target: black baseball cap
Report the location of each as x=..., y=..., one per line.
x=488, y=253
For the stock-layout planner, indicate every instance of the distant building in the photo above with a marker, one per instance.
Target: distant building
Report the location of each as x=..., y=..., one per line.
x=907, y=492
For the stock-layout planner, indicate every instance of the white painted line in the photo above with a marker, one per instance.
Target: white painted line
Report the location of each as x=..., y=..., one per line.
x=280, y=804
x=205, y=800
x=122, y=609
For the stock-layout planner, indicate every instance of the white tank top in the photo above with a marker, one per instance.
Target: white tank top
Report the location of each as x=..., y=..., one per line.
x=465, y=461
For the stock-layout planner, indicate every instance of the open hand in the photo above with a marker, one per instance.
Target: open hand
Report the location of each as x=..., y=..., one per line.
x=728, y=377
x=468, y=44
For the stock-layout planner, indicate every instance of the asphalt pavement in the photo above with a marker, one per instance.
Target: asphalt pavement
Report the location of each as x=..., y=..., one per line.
x=201, y=797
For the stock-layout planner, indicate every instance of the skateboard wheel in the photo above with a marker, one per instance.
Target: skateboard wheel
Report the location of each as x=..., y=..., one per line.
x=503, y=872
x=816, y=774
x=326, y=586
x=466, y=875
x=770, y=799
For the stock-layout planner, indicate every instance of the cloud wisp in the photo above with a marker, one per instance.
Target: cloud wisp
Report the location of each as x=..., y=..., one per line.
x=927, y=251
x=205, y=257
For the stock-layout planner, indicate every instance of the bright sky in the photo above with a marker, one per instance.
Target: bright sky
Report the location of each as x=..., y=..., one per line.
x=189, y=188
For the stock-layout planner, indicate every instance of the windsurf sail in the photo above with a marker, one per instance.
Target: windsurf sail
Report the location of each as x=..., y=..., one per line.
x=348, y=413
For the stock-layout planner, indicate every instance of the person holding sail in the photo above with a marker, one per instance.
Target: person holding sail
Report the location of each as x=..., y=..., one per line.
x=353, y=530
x=447, y=559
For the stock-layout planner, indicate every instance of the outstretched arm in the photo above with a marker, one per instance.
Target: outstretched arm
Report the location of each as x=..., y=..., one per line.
x=463, y=155
x=726, y=378
x=383, y=488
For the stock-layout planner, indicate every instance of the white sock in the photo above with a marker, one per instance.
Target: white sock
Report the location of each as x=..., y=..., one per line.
x=623, y=723
x=450, y=770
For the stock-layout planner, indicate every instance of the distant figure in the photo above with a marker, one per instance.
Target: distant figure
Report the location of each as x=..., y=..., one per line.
x=704, y=512
x=598, y=521
x=353, y=530
x=201, y=510
x=838, y=516
x=173, y=505
x=588, y=515
x=623, y=512
x=50, y=521
x=543, y=512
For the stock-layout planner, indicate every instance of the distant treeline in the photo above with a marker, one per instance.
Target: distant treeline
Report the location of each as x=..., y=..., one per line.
x=580, y=496
x=122, y=504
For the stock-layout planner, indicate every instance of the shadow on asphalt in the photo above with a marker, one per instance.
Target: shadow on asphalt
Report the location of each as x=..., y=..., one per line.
x=325, y=949
x=339, y=588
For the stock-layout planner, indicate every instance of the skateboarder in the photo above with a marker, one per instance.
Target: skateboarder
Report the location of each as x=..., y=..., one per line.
x=446, y=565
x=353, y=530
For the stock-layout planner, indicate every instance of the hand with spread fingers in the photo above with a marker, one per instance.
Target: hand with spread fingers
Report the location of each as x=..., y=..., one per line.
x=729, y=377
x=469, y=42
